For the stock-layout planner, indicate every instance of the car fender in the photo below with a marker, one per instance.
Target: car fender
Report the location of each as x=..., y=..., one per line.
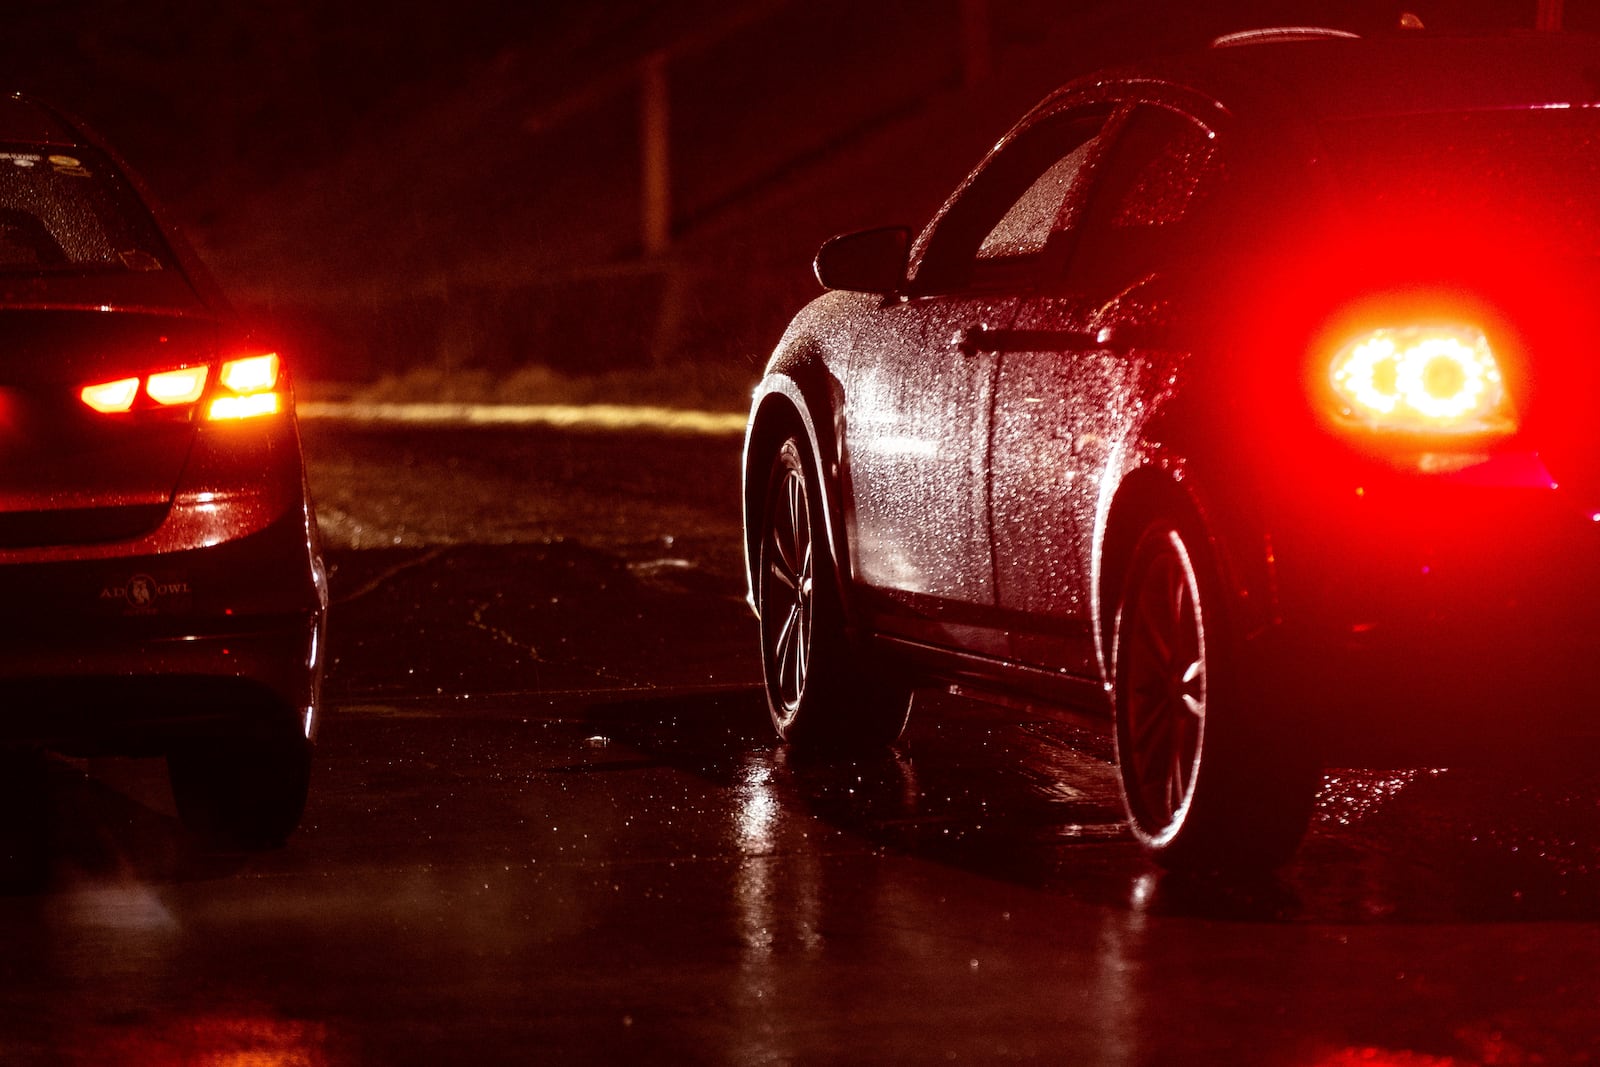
x=1150, y=475
x=801, y=391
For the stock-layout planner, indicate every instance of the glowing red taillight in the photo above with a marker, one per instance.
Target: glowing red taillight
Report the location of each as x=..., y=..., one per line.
x=247, y=387
x=182, y=386
x=1422, y=380
x=109, y=397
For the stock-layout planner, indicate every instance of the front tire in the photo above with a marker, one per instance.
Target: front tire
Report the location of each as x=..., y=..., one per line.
x=1212, y=778
x=821, y=692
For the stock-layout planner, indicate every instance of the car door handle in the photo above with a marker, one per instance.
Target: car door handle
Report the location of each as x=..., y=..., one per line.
x=1128, y=336
x=1117, y=338
x=982, y=339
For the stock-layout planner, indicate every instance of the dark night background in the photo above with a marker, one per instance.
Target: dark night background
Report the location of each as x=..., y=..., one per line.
x=445, y=189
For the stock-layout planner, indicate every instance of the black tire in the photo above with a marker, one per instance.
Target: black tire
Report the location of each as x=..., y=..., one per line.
x=242, y=793
x=821, y=692
x=1212, y=778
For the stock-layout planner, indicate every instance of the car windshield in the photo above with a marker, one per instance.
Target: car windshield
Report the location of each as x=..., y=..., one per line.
x=66, y=211
x=1532, y=173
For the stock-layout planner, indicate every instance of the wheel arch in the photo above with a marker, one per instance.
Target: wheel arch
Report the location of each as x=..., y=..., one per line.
x=1150, y=490
x=782, y=411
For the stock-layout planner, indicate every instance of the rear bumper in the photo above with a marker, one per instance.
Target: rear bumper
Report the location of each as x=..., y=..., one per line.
x=116, y=695
x=1422, y=620
x=1434, y=696
x=132, y=653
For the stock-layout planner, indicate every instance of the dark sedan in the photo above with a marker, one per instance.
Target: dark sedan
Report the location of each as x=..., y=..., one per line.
x=158, y=553
x=1246, y=400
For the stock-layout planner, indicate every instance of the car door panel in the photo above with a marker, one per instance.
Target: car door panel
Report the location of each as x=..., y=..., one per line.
x=916, y=432
x=1065, y=404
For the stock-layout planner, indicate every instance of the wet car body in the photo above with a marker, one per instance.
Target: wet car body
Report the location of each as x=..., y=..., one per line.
x=1106, y=362
x=158, y=551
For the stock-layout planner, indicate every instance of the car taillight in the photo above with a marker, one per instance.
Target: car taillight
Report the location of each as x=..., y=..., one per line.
x=1421, y=380
x=169, y=388
x=247, y=387
x=109, y=397
x=182, y=386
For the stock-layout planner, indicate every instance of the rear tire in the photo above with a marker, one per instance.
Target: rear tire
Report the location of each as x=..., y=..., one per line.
x=822, y=693
x=244, y=792
x=1212, y=777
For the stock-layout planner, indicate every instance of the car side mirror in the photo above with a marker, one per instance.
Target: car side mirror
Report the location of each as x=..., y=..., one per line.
x=868, y=261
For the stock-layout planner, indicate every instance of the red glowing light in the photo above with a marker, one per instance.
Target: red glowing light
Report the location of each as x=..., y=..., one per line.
x=109, y=397
x=182, y=386
x=248, y=388
x=251, y=383
x=1421, y=379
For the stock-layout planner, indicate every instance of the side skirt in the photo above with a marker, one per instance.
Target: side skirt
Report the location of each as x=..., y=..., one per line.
x=1002, y=681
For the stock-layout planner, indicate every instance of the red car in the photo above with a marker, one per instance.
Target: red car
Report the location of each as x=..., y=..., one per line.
x=158, y=552
x=1246, y=402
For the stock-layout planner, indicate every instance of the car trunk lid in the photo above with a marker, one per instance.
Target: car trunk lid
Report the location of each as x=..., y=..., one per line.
x=70, y=474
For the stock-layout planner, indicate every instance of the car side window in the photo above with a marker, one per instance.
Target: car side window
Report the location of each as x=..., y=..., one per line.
x=1002, y=226
x=1162, y=166
x=1025, y=228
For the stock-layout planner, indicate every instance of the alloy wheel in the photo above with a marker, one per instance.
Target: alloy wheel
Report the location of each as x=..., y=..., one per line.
x=1163, y=679
x=788, y=590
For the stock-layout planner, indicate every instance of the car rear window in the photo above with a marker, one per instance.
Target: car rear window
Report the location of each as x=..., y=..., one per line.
x=1535, y=172
x=66, y=211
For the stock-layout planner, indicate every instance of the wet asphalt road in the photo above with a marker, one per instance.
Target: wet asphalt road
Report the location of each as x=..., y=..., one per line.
x=549, y=824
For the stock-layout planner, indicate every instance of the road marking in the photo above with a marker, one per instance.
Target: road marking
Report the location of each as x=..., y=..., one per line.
x=595, y=416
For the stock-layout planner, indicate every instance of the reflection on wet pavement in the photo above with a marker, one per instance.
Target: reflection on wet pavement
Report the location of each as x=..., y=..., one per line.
x=637, y=874
x=996, y=792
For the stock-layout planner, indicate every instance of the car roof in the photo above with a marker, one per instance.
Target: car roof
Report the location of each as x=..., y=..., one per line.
x=1329, y=78
x=27, y=121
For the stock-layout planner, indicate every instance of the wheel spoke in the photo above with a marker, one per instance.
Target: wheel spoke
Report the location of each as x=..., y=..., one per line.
x=802, y=648
x=783, y=533
x=1148, y=728
x=1153, y=615
x=786, y=651
x=782, y=575
x=1155, y=774
x=1177, y=780
x=799, y=534
x=1192, y=687
x=1179, y=600
x=1153, y=642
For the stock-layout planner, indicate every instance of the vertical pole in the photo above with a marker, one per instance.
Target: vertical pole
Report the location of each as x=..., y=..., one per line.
x=1549, y=15
x=656, y=217
x=976, y=48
